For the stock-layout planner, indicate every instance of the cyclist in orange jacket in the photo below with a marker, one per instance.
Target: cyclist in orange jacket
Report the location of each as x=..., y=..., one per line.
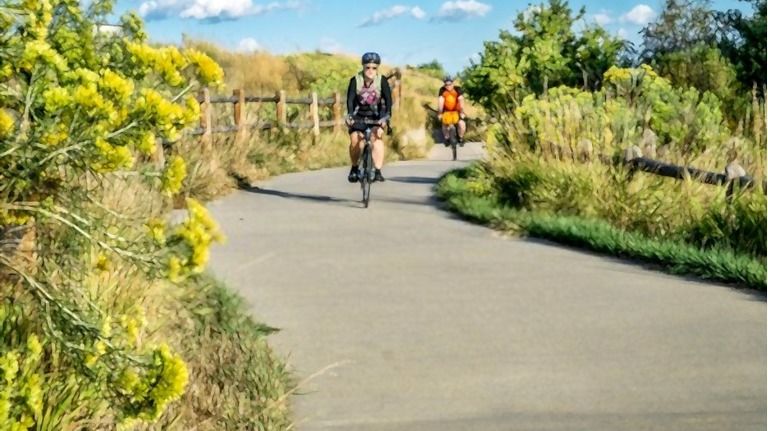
x=450, y=109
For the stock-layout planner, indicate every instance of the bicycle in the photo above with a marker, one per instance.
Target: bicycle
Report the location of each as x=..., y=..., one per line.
x=453, y=141
x=367, y=172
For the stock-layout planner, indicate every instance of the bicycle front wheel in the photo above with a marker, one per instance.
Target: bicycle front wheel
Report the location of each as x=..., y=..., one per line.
x=453, y=142
x=365, y=178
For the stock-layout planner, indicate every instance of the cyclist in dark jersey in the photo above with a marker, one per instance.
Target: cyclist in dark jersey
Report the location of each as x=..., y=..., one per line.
x=368, y=96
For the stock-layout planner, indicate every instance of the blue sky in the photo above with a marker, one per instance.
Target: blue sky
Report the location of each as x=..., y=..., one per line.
x=403, y=32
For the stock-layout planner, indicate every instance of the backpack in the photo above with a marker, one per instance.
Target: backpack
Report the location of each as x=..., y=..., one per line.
x=360, y=81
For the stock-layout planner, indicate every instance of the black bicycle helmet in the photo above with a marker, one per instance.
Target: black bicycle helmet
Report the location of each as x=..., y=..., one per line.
x=447, y=78
x=371, y=57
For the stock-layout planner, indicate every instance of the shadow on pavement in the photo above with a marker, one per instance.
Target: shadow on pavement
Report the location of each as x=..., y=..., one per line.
x=414, y=180
x=301, y=196
x=754, y=295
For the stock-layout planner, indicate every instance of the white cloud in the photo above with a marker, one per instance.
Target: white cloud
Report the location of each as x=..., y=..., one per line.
x=392, y=13
x=330, y=45
x=603, y=18
x=249, y=44
x=641, y=14
x=108, y=29
x=530, y=10
x=623, y=33
x=211, y=10
x=462, y=9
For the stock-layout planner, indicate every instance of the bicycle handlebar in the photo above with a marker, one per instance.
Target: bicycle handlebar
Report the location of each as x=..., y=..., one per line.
x=368, y=121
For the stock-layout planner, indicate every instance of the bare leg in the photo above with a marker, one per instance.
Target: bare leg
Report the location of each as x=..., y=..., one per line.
x=355, y=147
x=378, y=148
x=462, y=128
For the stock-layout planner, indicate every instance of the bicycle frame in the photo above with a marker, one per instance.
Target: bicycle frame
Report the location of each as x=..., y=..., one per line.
x=366, y=161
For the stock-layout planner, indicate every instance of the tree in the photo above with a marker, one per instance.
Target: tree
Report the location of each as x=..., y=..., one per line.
x=743, y=41
x=543, y=53
x=682, y=45
x=682, y=25
x=596, y=52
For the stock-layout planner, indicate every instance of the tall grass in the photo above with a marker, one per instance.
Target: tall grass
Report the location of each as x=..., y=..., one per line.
x=469, y=193
x=553, y=170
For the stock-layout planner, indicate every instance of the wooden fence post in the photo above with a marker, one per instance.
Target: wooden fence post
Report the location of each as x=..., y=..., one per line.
x=282, y=115
x=337, y=120
x=239, y=110
x=205, y=118
x=314, y=111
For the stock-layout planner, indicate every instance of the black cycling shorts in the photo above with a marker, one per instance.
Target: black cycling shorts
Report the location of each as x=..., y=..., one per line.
x=359, y=126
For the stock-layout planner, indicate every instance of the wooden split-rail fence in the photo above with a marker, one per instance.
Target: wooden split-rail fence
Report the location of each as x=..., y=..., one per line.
x=239, y=99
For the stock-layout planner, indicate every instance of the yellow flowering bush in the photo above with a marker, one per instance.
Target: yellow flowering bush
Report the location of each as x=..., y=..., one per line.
x=79, y=108
x=174, y=175
x=190, y=242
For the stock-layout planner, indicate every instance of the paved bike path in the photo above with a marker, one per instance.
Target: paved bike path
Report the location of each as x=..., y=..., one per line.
x=431, y=323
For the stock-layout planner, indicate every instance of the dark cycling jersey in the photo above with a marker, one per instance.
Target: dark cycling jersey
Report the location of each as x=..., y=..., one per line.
x=369, y=103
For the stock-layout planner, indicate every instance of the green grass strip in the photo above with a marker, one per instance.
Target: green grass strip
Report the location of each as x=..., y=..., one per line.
x=674, y=256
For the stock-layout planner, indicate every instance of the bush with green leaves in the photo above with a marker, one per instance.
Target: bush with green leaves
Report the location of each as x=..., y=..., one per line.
x=635, y=107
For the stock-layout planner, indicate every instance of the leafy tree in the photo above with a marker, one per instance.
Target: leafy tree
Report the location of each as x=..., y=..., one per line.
x=682, y=25
x=433, y=68
x=543, y=52
x=743, y=41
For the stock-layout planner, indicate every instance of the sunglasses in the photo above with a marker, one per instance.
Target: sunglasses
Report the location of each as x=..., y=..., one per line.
x=371, y=68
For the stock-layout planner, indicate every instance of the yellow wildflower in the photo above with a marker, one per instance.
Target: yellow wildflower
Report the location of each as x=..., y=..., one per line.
x=115, y=85
x=101, y=347
x=56, y=136
x=209, y=72
x=90, y=360
x=174, y=269
x=114, y=156
x=39, y=52
x=172, y=380
x=192, y=113
x=6, y=71
x=146, y=143
x=168, y=62
x=34, y=347
x=84, y=76
x=131, y=327
x=88, y=97
x=168, y=116
x=6, y=123
x=157, y=230
x=174, y=175
x=649, y=70
x=56, y=98
x=33, y=395
x=9, y=364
